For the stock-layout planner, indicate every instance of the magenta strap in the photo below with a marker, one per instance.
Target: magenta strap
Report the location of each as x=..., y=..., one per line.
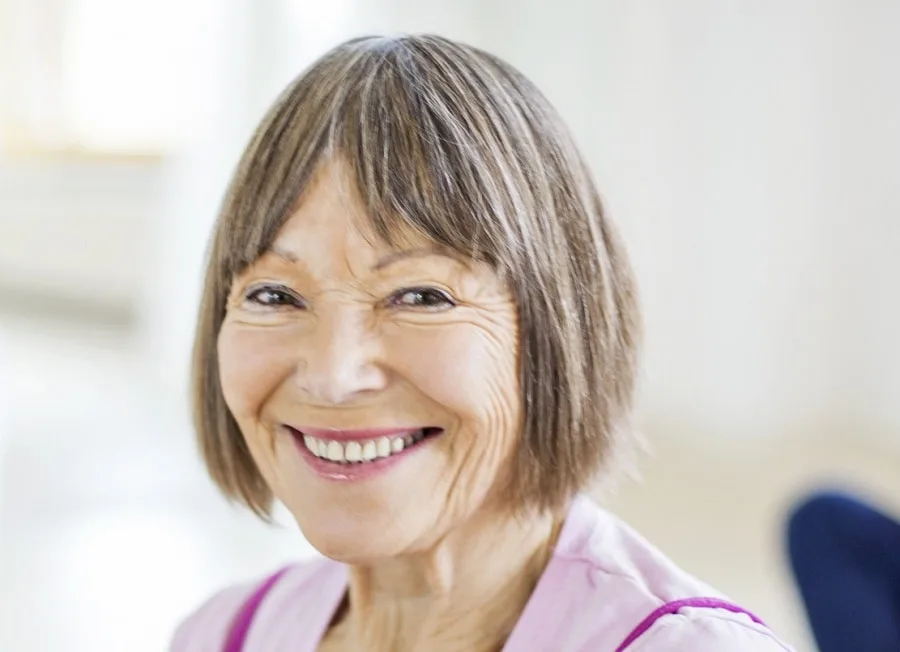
x=241, y=623
x=675, y=607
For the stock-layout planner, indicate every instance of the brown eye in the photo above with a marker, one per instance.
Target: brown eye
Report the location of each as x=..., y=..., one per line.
x=428, y=298
x=273, y=296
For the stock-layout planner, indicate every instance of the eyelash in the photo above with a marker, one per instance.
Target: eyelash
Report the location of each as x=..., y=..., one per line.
x=445, y=299
x=288, y=299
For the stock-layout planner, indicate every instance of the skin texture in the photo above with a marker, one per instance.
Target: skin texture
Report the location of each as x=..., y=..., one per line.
x=335, y=329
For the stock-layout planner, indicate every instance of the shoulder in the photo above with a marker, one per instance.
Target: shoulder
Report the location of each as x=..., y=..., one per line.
x=708, y=630
x=207, y=627
x=619, y=579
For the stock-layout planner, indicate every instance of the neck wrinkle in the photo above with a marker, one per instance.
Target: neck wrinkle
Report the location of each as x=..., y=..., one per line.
x=466, y=592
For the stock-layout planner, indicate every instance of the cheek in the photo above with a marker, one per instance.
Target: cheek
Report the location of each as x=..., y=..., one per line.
x=252, y=365
x=470, y=370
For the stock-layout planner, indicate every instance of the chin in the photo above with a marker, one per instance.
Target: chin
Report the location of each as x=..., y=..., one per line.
x=349, y=539
x=353, y=550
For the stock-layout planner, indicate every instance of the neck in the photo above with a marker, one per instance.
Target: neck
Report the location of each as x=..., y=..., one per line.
x=466, y=592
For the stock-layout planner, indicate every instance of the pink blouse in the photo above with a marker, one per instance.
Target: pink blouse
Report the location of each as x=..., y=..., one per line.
x=605, y=589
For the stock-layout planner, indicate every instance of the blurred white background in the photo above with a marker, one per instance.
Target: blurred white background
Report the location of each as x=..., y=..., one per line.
x=749, y=149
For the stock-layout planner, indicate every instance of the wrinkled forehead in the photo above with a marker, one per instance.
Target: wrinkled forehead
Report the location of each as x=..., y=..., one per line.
x=330, y=230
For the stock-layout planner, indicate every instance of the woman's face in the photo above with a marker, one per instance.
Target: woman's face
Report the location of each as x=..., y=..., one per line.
x=377, y=388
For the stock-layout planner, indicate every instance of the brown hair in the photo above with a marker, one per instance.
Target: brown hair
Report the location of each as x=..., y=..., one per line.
x=456, y=144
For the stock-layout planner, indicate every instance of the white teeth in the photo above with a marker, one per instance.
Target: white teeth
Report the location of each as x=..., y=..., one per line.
x=335, y=452
x=353, y=452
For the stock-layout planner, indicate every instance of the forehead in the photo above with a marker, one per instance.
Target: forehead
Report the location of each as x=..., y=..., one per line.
x=329, y=228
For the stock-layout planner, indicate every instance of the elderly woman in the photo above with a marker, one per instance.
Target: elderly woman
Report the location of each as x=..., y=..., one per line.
x=419, y=332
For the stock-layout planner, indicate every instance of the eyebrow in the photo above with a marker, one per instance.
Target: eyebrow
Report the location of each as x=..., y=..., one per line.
x=420, y=252
x=385, y=261
x=284, y=254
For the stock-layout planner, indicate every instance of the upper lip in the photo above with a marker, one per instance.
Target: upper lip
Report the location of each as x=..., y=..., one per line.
x=340, y=434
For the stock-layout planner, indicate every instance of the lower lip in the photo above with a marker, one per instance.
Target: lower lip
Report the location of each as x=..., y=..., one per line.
x=355, y=471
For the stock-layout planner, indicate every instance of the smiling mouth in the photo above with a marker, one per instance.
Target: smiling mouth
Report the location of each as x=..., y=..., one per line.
x=362, y=451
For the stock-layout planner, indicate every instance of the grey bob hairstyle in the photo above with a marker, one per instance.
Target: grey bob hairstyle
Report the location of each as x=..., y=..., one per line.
x=456, y=145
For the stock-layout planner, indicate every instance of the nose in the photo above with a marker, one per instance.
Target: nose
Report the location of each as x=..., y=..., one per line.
x=340, y=361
